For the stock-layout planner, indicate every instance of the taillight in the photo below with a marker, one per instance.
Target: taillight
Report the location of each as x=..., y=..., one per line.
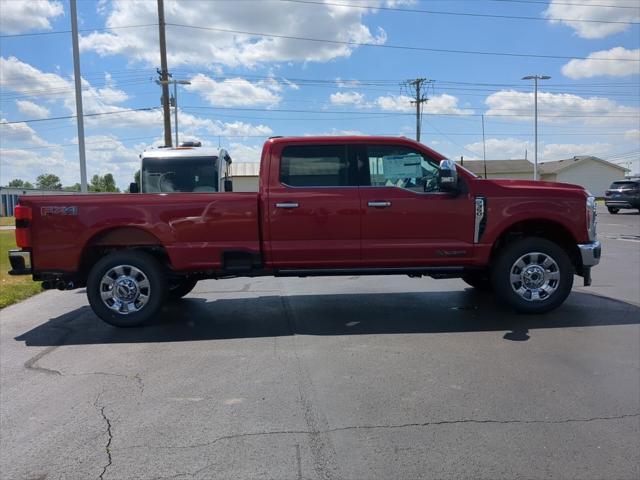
x=23, y=216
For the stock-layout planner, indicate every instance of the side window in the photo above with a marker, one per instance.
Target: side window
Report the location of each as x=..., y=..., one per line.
x=315, y=166
x=402, y=167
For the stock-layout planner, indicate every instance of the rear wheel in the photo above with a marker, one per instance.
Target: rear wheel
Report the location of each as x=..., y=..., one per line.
x=126, y=288
x=180, y=288
x=613, y=210
x=533, y=275
x=480, y=280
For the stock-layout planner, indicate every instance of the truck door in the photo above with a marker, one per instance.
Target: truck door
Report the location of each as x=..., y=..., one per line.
x=406, y=220
x=313, y=207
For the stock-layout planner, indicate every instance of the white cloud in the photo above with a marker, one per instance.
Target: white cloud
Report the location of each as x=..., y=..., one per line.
x=28, y=164
x=501, y=148
x=445, y=103
x=437, y=104
x=23, y=16
x=347, y=98
x=208, y=47
x=395, y=103
x=615, y=66
x=21, y=77
x=559, y=151
x=234, y=92
x=633, y=134
x=583, y=11
x=512, y=148
x=245, y=153
x=19, y=133
x=32, y=110
x=560, y=107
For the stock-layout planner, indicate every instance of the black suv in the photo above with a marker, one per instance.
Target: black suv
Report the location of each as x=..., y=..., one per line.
x=623, y=194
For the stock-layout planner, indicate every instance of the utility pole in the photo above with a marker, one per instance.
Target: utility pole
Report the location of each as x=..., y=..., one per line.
x=535, y=79
x=164, y=76
x=417, y=89
x=78, y=85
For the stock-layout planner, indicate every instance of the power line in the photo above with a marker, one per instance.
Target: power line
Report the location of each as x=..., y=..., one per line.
x=351, y=112
x=400, y=47
x=461, y=14
x=67, y=117
x=566, y=3
x=59, y=32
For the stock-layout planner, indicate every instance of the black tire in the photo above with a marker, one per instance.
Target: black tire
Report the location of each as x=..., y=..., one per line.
x=506, y=262
x=479, y=279
x=612, y=210
x=155, y=293
x=180, y=288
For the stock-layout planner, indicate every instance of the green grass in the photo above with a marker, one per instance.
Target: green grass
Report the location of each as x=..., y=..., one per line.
x=7, y=221
x=13, y=289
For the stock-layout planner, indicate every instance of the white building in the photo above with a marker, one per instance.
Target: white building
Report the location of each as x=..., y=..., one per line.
x=592, y=173
x=245, y=176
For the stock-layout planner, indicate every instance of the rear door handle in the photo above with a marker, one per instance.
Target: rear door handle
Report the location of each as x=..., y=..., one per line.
x=379, y=204
x=287, y=205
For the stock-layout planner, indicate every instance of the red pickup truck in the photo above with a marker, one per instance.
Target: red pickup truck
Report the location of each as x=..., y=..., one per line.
x=325, y=206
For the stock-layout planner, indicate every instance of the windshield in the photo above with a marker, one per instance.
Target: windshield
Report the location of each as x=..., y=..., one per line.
x=161, y=175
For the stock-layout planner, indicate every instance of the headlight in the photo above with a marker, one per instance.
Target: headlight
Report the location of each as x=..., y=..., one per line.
x=591, y=218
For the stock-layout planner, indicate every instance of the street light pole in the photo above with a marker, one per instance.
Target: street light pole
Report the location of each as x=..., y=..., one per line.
x=535, y=79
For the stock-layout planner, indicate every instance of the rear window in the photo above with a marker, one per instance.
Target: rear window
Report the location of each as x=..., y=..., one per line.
x=315, y=166
x=624, y=185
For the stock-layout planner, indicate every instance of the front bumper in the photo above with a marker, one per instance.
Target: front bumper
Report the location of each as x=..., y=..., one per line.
x=20, y=261
x=620, y=203
x=590, y=253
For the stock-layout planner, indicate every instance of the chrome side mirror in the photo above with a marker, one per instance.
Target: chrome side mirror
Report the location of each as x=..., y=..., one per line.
x=448, y=178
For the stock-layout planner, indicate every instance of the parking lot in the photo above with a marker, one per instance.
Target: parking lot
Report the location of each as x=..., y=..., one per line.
x=330, y=378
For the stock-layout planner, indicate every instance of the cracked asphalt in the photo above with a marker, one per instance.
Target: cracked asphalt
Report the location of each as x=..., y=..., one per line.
x=330, y=378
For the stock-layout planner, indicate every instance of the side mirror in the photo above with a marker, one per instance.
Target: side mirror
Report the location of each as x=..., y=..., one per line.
x=228, y=186
x=133, y=188
x=448, y=178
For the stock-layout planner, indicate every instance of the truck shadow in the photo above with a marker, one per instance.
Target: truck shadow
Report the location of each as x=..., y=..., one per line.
x=195, y=319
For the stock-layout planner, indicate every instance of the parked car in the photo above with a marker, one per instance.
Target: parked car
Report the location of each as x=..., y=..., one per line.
x=325, y=206
x=623, y=194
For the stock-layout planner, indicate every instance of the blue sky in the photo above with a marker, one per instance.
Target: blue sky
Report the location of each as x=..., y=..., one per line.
x=248, y=86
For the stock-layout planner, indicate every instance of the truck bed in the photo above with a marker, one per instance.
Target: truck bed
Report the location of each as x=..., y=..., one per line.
x=193, y=228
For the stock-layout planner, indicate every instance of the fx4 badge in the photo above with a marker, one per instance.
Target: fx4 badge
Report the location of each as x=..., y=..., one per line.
x=46, y=211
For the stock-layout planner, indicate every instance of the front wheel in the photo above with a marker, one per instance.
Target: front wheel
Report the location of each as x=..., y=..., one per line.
x=533, y=275
x=612, y=210
x=126, y=288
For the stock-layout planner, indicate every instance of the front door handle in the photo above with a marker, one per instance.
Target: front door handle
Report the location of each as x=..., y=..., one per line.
x=287, y=205
x=379, y=204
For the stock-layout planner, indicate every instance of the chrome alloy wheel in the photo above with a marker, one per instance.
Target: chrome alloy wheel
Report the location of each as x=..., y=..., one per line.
x=535, y=276
x=125, y=289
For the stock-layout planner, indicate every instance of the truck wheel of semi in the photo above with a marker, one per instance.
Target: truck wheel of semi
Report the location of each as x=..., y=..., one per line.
x=325, y=206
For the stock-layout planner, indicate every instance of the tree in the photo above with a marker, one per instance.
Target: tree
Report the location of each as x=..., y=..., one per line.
x=104, y=183
x=18, y=183
x=48, y=181
x=72, y=188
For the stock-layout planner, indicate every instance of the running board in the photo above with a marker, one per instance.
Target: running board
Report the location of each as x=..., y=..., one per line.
x=440, y=272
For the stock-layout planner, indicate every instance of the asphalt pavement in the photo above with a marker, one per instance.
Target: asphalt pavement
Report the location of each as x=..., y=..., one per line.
x=331, y=378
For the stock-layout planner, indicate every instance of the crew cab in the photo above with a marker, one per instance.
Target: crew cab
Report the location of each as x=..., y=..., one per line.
x=326, y=206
